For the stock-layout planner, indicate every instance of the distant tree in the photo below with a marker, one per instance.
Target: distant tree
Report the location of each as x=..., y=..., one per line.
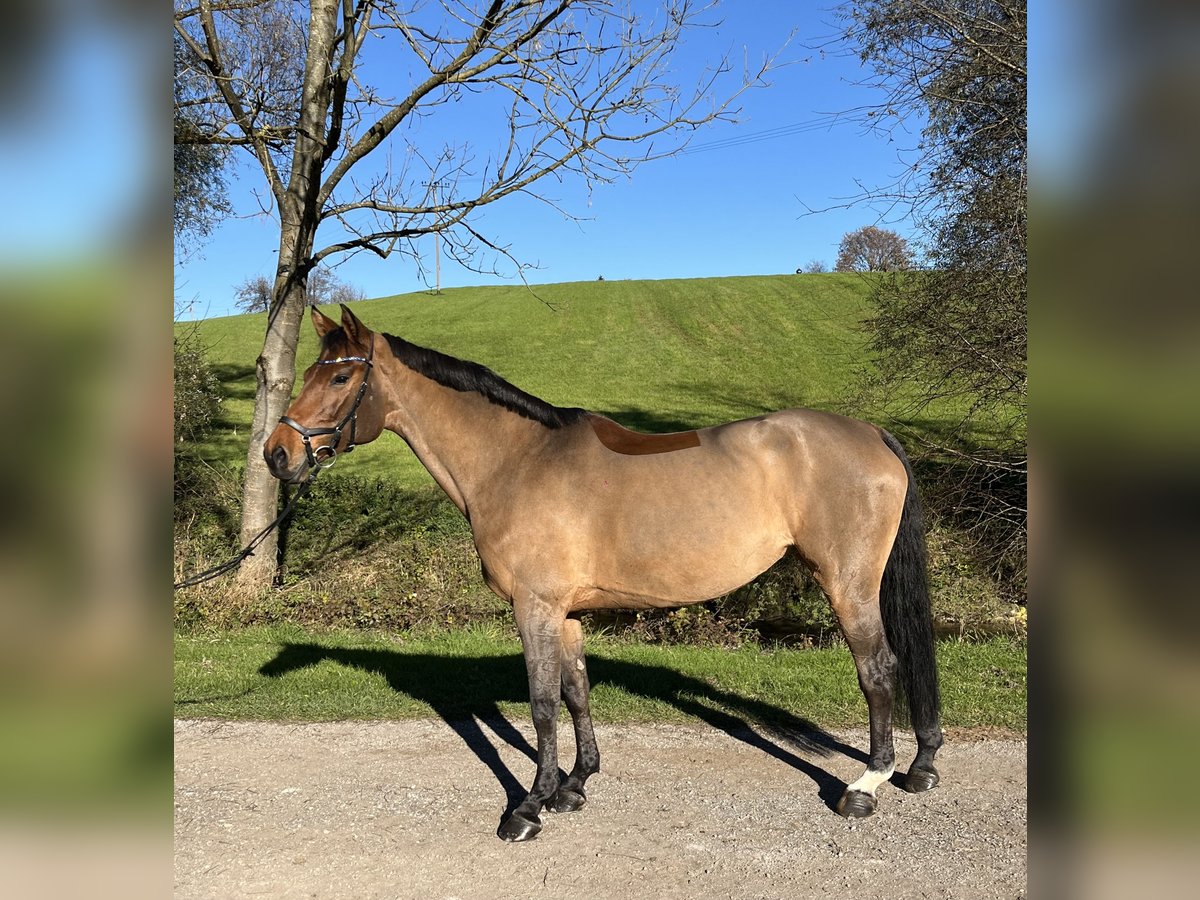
x=345, y=293
x=320, y=286
x=324, y=287
x=254, y=294
x=816, y=267
x=871, y=249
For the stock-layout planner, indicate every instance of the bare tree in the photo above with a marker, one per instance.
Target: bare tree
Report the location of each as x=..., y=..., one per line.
x=341, y=292
x=872, y=249
x=325, y=287
x=815, y=267
x=556, y=88
x=254, y=294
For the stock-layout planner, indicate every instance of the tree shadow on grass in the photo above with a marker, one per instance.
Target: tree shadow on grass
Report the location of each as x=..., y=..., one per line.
x=466, y=692
x=237, y=380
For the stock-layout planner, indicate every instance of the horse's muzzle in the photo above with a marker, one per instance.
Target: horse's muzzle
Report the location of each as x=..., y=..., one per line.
x=277, y=460
x=279, y=463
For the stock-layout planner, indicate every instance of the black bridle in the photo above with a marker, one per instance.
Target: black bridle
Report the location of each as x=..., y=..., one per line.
x=351, y=418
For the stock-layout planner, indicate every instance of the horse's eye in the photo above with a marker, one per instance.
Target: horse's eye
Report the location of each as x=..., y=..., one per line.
x=340, y=379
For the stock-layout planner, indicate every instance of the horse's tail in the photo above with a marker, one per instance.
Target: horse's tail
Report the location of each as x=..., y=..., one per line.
x=904, y=605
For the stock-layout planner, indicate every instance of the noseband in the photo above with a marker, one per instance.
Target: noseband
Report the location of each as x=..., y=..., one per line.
x=351, y=418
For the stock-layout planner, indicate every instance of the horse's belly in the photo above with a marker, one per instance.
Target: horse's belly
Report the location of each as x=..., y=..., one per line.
x=687, y=556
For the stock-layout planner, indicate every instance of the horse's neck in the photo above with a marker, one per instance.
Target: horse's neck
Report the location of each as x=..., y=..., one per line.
x=461, y=438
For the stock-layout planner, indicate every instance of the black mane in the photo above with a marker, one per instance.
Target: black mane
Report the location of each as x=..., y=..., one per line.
x=463, y=375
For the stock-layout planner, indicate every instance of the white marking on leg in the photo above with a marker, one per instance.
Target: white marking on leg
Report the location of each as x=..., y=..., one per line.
x=871, y=780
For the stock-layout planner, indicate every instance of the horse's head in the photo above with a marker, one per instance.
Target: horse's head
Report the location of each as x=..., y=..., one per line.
x=338, y=405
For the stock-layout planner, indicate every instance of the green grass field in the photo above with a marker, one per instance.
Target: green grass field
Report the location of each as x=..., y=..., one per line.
x=293, y=674
x=655, y=355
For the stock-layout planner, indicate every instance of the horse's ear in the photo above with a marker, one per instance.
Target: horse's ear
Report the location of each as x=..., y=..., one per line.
x=357, y=330
x=322, y=322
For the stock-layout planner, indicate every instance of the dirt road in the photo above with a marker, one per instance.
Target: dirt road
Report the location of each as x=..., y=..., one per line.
x=409, y=809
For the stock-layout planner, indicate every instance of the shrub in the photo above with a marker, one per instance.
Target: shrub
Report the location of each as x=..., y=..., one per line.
x=197, y=390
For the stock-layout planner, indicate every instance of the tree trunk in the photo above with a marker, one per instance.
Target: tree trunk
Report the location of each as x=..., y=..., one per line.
x=276, y=366
x=276, y=370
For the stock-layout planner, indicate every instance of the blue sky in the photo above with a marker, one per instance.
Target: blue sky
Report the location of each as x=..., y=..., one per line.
x=737, y=208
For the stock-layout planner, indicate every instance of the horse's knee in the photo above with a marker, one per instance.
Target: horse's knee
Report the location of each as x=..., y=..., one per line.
x=544, y=709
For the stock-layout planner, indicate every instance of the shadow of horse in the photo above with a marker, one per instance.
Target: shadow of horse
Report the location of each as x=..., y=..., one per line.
x=465, y=691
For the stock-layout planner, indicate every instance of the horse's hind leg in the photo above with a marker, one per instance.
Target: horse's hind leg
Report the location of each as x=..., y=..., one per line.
x=922, y=775
x=858, y=614
x=876, y=666
x=575, y=688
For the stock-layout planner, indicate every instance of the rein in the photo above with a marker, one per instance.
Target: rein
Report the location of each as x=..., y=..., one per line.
x=316, y=463
x=247, y=551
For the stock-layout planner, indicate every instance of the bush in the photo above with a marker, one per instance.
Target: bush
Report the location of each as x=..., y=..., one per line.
x=197, y=390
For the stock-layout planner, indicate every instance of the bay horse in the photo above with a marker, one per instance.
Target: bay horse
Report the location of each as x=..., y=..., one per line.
x=572, y=512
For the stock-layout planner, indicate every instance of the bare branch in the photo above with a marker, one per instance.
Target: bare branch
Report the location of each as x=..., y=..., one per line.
x=573, y=97
x=211, y=54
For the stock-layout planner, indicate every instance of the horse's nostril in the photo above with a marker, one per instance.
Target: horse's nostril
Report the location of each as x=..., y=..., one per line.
x=279, y=458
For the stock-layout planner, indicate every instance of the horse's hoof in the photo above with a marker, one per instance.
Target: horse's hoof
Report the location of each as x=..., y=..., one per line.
x=518, y=828
x=919, y=780
x=856, y=805
x=566, y=800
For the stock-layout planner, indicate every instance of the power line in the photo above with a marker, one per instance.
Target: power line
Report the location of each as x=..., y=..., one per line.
x=756, y=137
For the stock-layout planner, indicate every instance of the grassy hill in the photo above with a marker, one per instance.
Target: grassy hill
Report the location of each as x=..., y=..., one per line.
x=654, y=355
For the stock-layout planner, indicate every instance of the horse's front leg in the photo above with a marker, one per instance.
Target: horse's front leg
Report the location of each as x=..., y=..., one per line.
x=540, y=624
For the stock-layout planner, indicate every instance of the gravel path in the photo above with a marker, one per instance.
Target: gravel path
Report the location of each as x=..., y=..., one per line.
x=409, y=809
